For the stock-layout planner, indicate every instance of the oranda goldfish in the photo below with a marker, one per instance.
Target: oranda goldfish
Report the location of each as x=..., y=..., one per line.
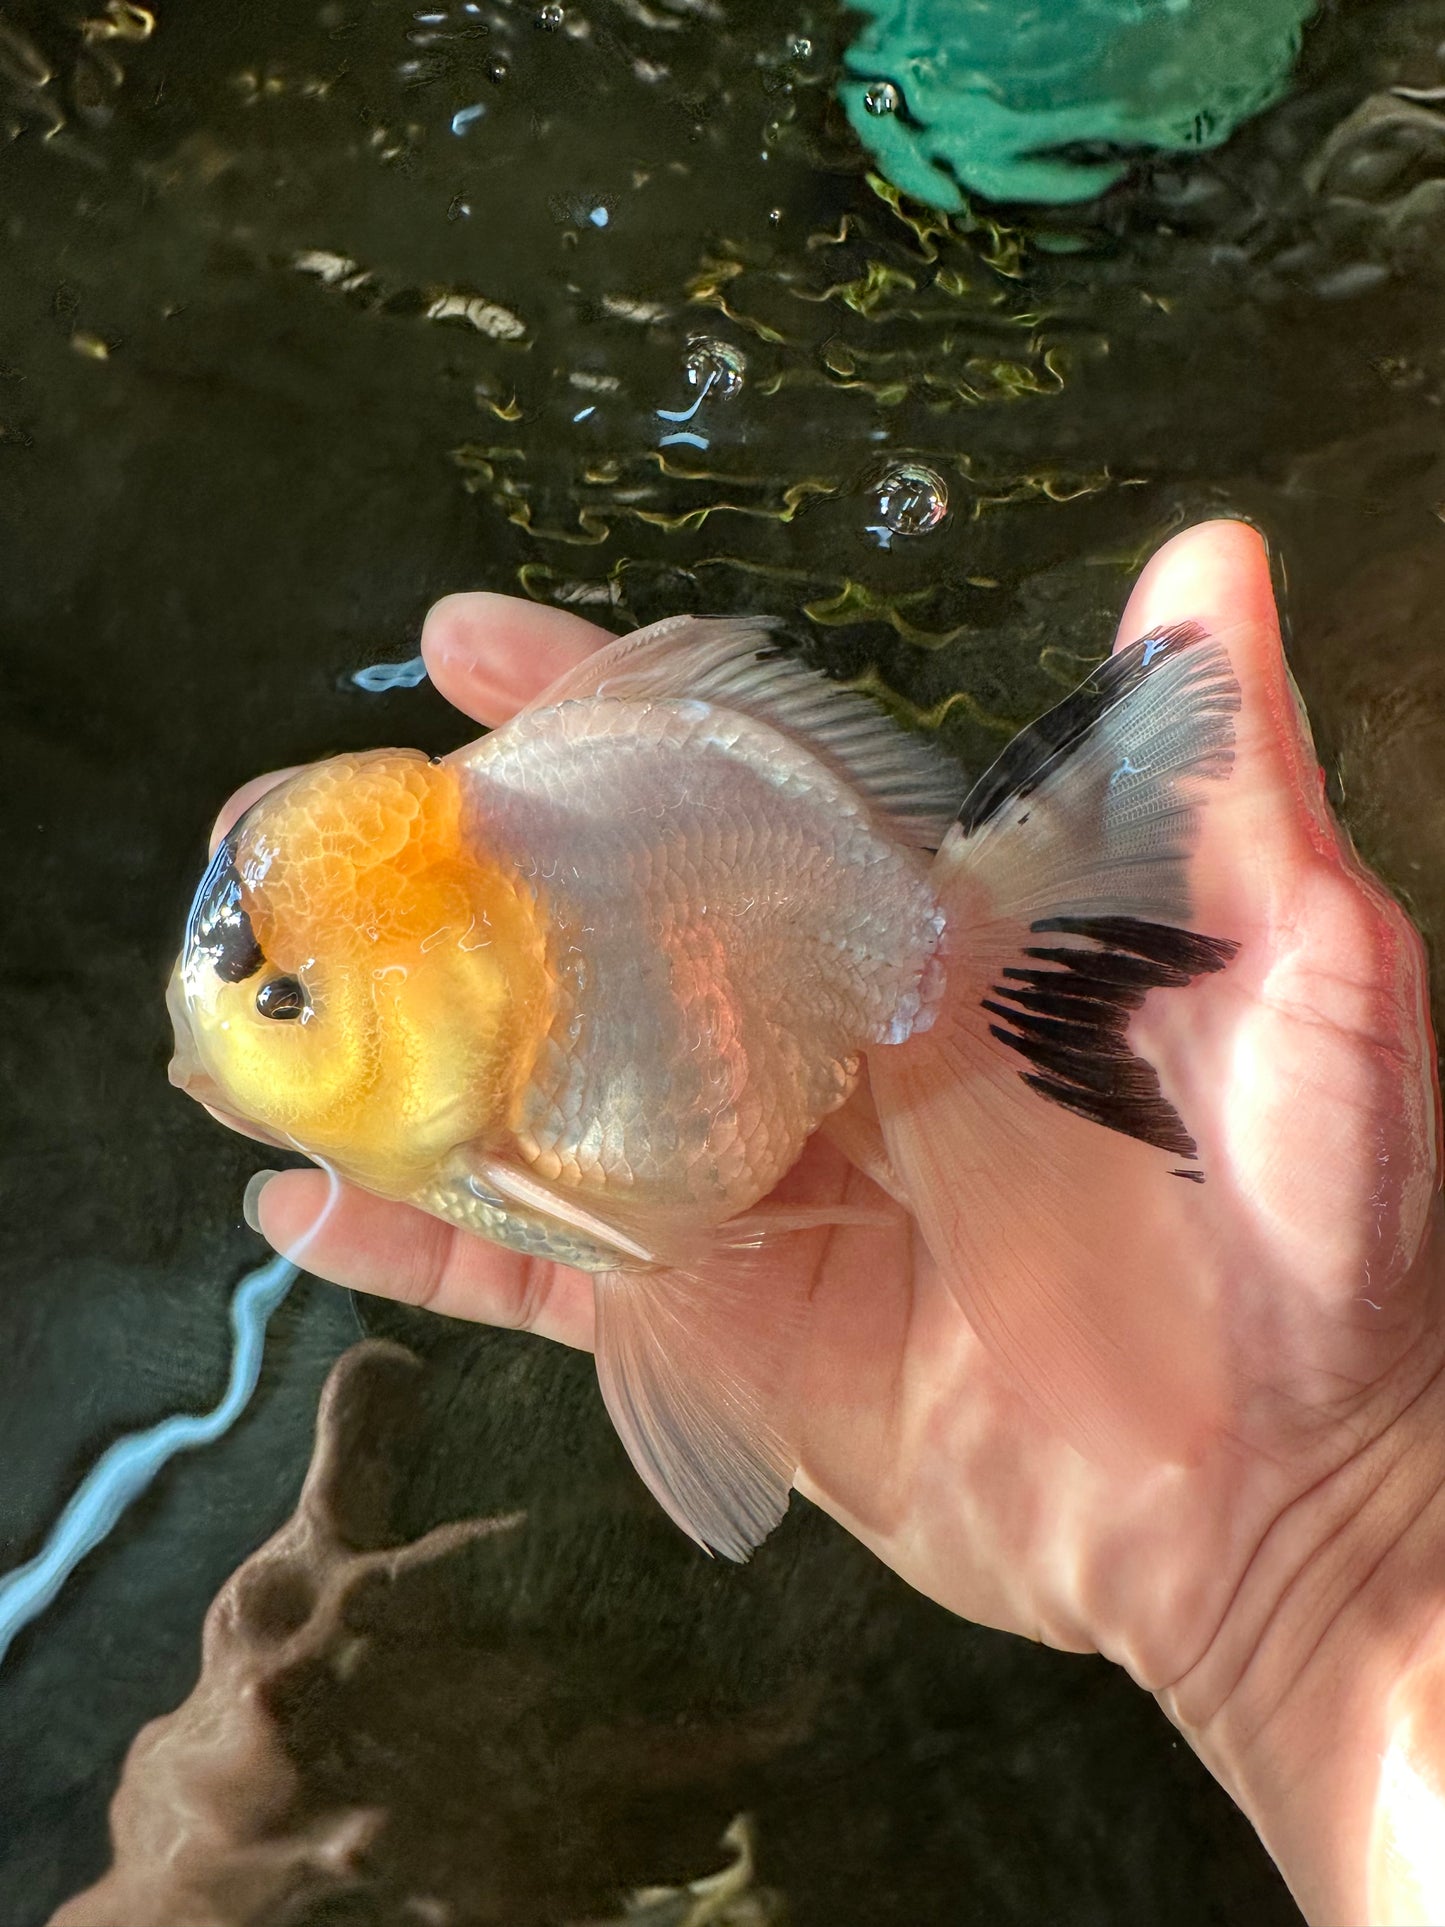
x=587, y=987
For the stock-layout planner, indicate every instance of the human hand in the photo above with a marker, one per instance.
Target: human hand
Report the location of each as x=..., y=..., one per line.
x=1223, y=1578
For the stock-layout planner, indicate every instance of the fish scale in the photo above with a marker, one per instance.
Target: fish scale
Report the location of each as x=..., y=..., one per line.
x=734, y=966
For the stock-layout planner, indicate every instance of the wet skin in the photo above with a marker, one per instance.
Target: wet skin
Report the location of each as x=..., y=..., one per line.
x=1282, y=1591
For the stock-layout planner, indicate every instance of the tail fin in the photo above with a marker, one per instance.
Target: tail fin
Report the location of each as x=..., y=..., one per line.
x=1175, y=1136
x=1067, y=891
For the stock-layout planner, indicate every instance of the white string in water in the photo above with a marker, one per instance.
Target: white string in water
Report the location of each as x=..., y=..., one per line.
x=125, y=1469
x=378, y=677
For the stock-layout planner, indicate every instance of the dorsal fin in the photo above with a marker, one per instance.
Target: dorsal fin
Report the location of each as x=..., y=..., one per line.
x=736, y=664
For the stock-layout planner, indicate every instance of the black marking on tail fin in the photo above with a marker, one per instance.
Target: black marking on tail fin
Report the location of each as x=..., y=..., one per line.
x=1044, y=744
x=1194, y=1177
x=1071, y=1019
x=1182, y=953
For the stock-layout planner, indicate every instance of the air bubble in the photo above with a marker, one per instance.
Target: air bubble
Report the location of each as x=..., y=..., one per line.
x=550, y=18
x=497, y=71
x=911, y=499
x=882, y=97
x=715, y=367
x=802, y=47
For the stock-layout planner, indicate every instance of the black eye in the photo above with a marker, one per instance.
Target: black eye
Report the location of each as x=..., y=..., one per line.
x=282, y=998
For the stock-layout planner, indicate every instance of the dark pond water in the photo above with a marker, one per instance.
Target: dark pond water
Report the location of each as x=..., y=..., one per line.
x=311, y=313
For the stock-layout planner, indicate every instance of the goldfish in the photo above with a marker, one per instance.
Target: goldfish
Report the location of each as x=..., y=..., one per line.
x=588, y=986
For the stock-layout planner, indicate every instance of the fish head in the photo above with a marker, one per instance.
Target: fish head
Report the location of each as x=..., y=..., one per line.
x=359, y=980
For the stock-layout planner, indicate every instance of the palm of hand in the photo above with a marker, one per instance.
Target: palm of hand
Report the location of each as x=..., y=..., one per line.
x=1316, y=1325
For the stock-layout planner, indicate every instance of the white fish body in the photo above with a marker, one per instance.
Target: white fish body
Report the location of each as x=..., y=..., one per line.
x=729, y=922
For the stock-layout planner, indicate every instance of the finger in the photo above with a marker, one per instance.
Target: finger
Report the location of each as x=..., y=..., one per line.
x=237, y=806
x=244, y=1127
x=392, y=1251
x=1214, y=573
x=490, y=654
x=1217, y=574
x=1323, y=1015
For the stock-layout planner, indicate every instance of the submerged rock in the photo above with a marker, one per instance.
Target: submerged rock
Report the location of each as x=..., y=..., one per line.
x=372, y=1730
x=208, y=1825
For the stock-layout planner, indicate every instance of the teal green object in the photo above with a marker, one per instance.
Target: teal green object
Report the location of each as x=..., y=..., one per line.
x=958, y=97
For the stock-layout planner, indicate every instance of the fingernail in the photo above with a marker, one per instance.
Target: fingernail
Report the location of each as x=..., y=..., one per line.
x=251, y=1199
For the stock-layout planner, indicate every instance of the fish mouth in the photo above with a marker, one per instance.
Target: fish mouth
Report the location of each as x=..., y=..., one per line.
x=185, y=1069
x=189, y=1074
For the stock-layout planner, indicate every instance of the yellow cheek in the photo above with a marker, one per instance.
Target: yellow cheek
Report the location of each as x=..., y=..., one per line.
x=450, y=1051
x=410, y=1047
x=297, y=1078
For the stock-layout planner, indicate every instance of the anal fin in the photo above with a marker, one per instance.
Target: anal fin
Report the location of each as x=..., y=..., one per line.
x=696, y=1370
